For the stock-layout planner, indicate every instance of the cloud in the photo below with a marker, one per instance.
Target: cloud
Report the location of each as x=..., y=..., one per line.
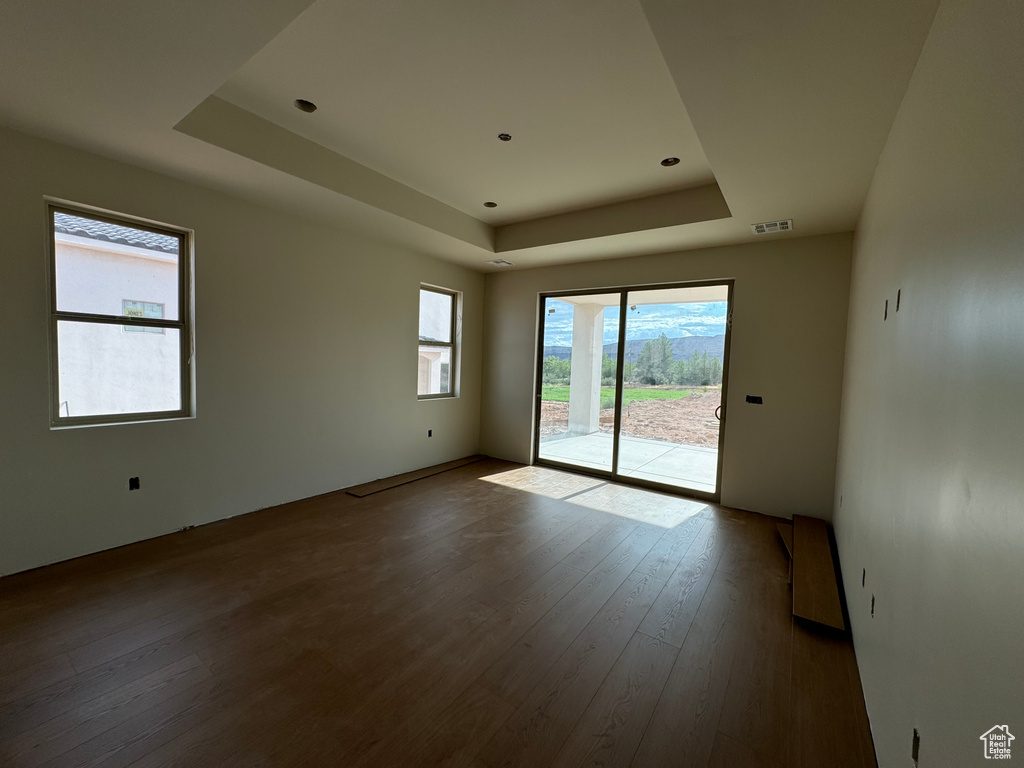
x=674, y=320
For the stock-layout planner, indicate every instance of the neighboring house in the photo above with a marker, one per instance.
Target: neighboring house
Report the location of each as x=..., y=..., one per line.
x=114, y=270
x=434, y=365
x=997, y=742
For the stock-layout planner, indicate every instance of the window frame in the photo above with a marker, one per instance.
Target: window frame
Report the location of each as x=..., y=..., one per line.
x=453, y=344
x=183, y=324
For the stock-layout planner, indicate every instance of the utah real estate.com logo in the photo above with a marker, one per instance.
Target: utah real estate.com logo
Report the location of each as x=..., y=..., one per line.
x=997, y=742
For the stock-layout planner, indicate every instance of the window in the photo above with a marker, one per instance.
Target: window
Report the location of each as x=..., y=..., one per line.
x=141, y=309
x=437, y=344
x=120, y=319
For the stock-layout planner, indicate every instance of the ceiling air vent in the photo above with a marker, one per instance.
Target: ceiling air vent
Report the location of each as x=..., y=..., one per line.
x=501, y=263
x=768, y=227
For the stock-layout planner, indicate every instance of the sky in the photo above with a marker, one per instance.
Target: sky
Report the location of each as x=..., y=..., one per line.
x=435, y=316
x=644, y=322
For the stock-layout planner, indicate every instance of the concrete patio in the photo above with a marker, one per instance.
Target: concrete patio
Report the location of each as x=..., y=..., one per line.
x=686, y=466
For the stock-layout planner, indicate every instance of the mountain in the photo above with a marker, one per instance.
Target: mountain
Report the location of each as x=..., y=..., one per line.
x=682, y=347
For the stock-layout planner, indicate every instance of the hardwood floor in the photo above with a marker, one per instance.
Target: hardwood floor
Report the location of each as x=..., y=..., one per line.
x=493, y=615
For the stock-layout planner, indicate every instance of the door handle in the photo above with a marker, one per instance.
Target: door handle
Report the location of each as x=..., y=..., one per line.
x=718, y=413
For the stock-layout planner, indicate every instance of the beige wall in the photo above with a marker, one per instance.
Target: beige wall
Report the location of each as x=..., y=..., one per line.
x=788, y=336
x=306, y=353
x=930, y=470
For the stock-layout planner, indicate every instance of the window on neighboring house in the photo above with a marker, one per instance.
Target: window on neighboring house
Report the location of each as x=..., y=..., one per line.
x=141, y=309
x=439, y=310
x=117, y=359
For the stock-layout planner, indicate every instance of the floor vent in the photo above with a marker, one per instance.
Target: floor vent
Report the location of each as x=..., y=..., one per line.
x=768, y=227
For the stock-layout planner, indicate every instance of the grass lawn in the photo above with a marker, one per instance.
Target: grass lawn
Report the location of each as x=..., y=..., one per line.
x=557, y=394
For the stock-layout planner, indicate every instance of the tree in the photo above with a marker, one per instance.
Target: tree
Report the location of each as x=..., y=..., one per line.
x=716, y=371
x=705, y=370
x=693, y=369
x=645, y=364
x=678, y=372
x=663, y=349
x=556, y=371
x=653, y=365
x=607, y=370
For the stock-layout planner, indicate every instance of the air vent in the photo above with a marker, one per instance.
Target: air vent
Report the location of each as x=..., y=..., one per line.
x=768, y=227
x=501, y=263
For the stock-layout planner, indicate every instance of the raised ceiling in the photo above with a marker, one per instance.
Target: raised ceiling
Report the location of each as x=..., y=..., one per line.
x=776, y=109
x=420, y=91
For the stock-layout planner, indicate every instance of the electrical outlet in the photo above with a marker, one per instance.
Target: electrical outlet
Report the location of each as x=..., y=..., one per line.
x=133, y=483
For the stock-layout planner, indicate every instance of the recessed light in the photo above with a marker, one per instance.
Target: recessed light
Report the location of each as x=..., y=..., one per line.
x=505, y=136
x=668, y=162
x=489, y=204
x=305, y=106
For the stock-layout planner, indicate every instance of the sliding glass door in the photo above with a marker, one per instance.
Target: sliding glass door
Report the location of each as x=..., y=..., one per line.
x=631, y=383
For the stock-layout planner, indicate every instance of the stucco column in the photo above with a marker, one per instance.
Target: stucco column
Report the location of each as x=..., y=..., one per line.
x=585, y=379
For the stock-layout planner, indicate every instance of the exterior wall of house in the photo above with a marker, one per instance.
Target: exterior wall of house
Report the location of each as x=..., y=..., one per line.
x=930, y=493
x=429, y=372
x=306, y=366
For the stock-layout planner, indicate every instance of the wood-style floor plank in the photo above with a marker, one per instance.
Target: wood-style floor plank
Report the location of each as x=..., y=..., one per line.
x=756, y=709
x=537, y=730
x=595, y=549
x=683, y=727
x=19, y=683
x=501, y=590
x=666, y=555
x=672, y=614
x=149, y=730
x=815, y=590
x=610, y=729
x=452, y=738
x=387, y=483
x=826, y=702
x=514, y=675
x=415, y=693
x=494, y=614
x=46, y=702
x=62, y=733
x=730, y=753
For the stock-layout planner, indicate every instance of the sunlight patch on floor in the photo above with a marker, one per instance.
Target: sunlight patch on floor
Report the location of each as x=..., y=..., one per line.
x=544, y=482
x=641, y=505
x=638, y=504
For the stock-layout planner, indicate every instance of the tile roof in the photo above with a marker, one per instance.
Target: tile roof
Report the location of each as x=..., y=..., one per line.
x=113, y=233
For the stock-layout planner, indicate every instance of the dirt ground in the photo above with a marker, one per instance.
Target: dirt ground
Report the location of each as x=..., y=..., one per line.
x=689, y=420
